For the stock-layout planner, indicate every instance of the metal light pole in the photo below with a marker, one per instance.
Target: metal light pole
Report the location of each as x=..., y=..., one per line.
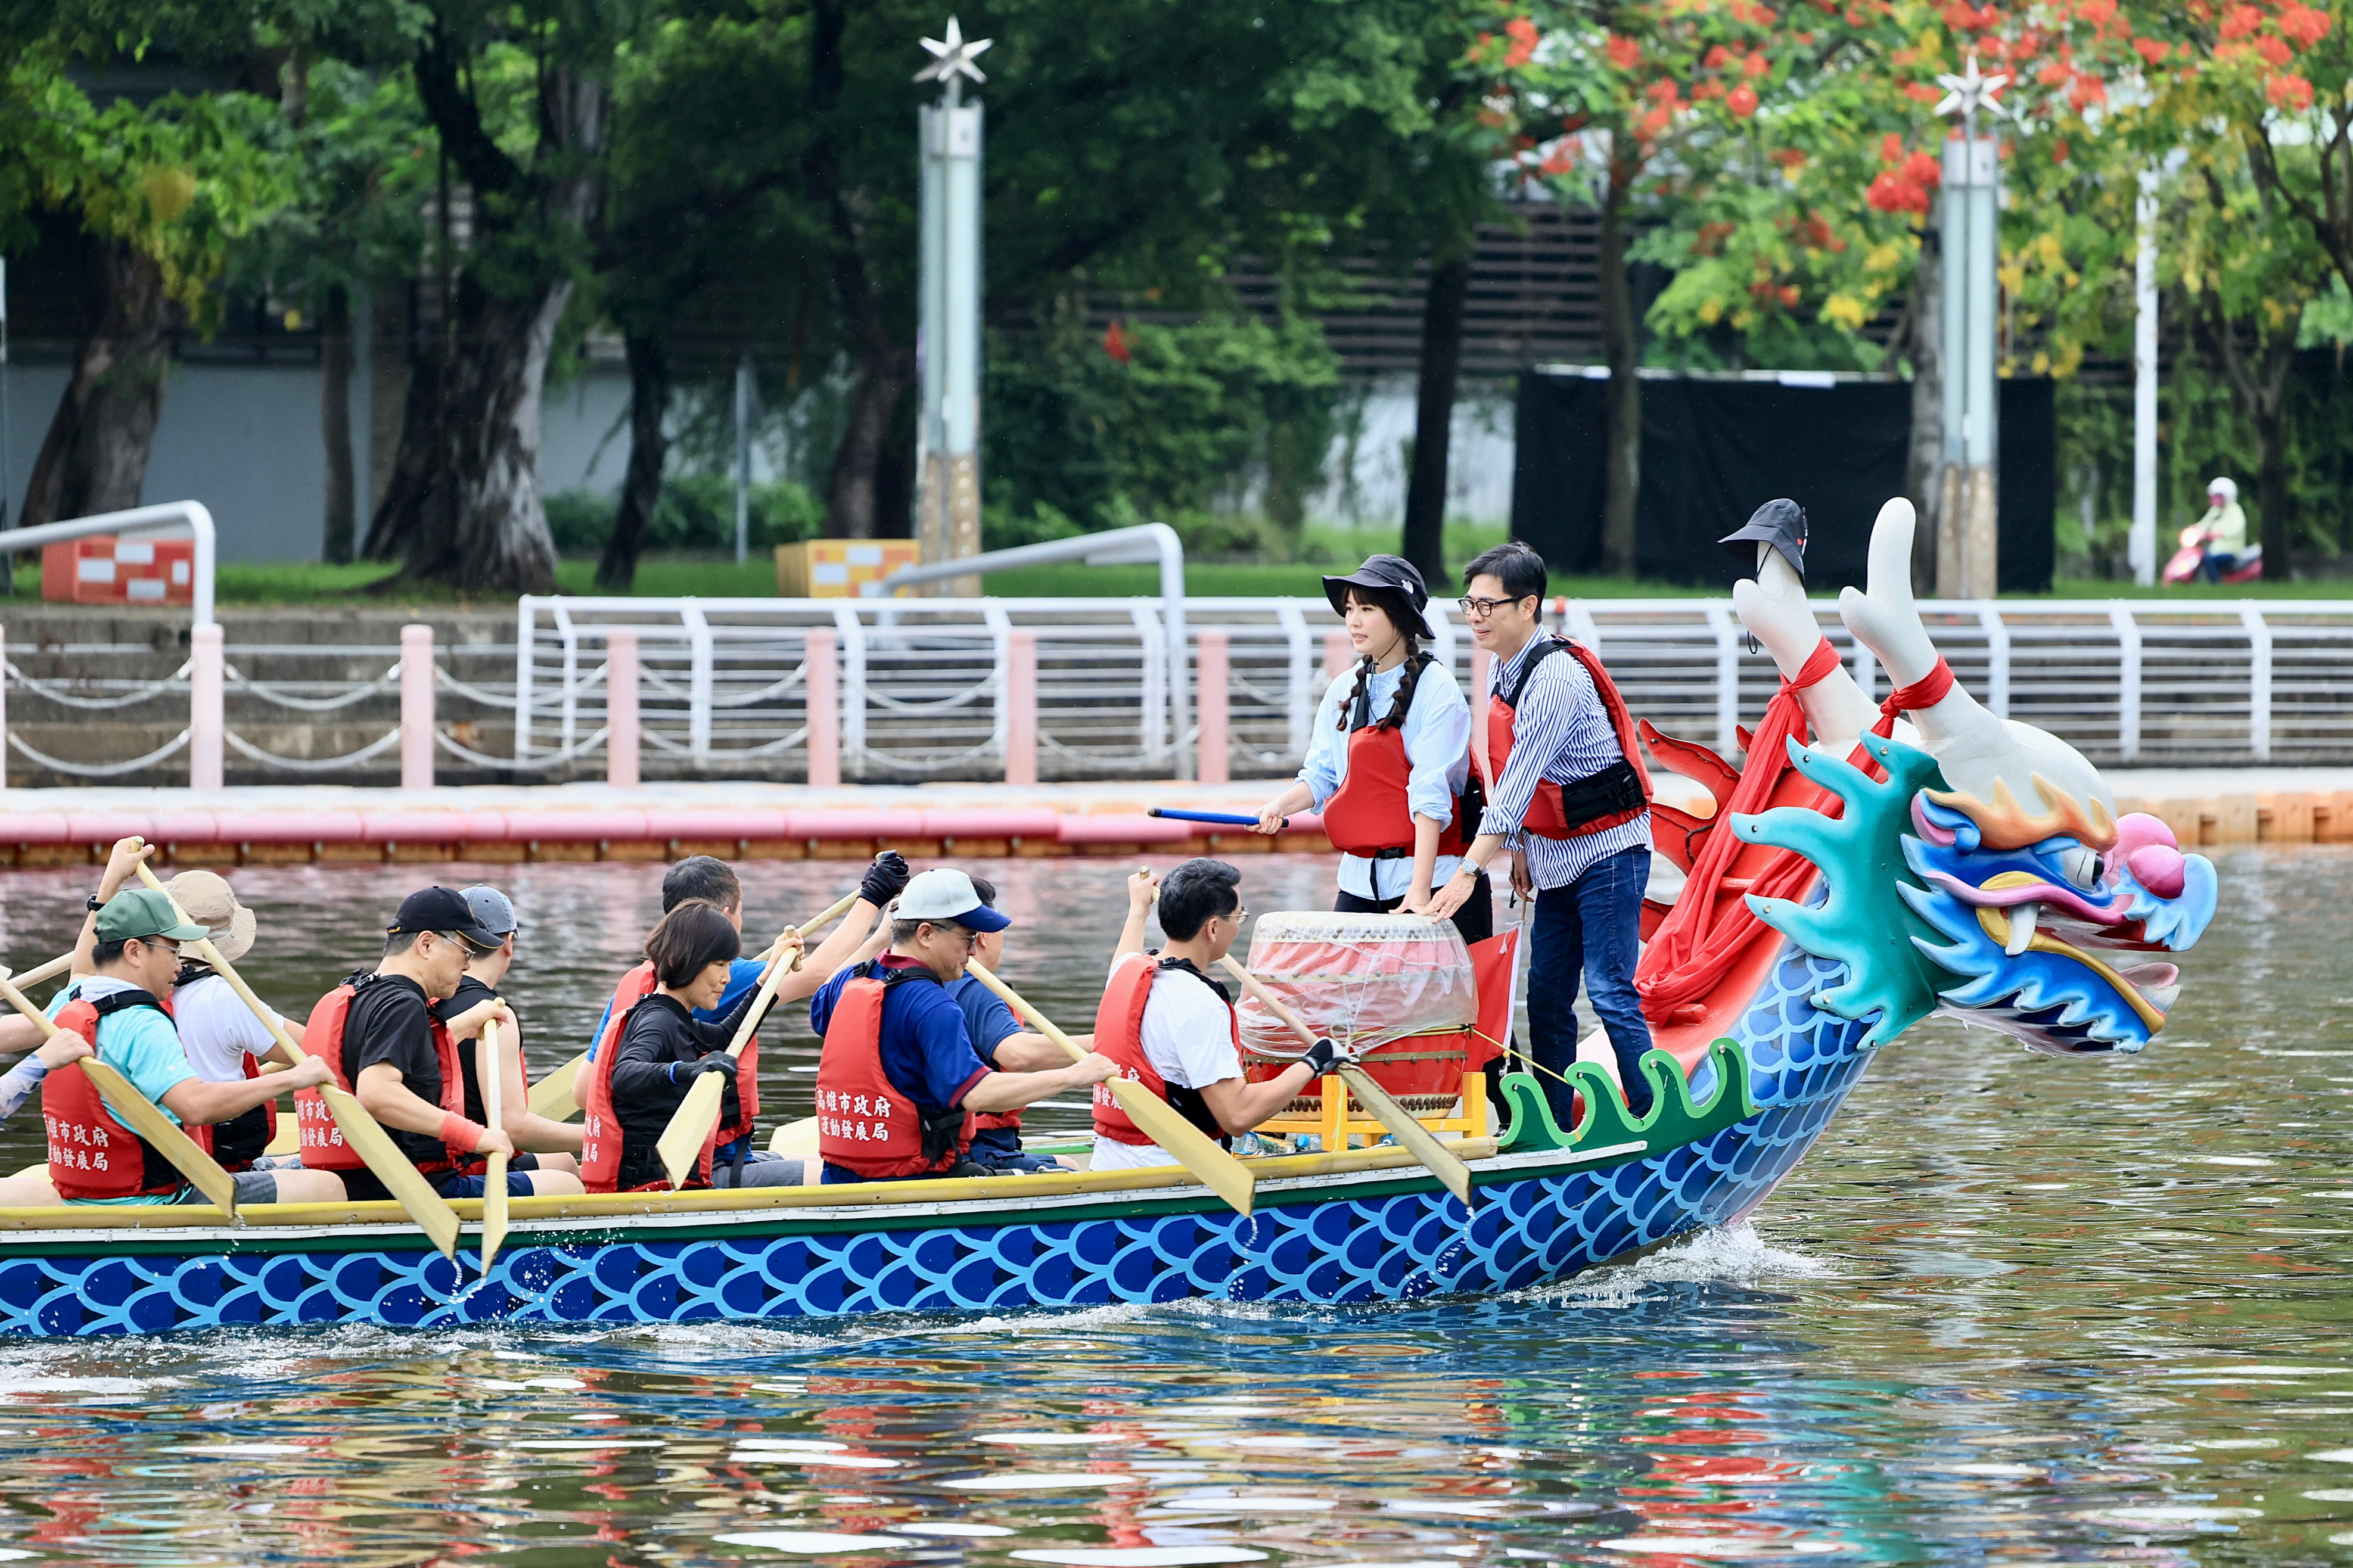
x=947, y=433
x=1968, y=525
x=2140, y=548
x=7, y=560
x=743, y=386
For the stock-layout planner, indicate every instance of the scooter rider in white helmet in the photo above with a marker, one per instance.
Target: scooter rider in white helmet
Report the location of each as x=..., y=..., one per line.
x=2225, y=525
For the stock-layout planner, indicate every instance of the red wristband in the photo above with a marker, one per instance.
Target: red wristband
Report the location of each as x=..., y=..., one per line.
x=461, y=1133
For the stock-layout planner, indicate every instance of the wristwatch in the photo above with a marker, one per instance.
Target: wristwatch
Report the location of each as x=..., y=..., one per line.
x=93, y=904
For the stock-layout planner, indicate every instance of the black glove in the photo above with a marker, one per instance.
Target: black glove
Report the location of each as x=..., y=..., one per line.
x=885, y=879
x=717, y=1061
x=1323, y=1056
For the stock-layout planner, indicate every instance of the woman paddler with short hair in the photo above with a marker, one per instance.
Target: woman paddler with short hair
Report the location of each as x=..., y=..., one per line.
x=1388, y=756
x=657, y=1048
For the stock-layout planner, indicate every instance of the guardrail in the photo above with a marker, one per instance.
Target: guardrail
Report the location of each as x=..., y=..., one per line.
x=904, y=690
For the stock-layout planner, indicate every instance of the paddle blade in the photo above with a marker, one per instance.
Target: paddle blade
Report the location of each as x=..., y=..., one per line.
x=402, y=1179
x=1418, y=1141
x=794, y=1140
x=288, y=1139
x=1195, y=1149
x=552, y=1095
x=494, y=1210
x=681, y=1141
x=140, y=1114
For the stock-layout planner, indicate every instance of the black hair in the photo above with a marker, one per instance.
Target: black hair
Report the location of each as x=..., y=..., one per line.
x=1196, y=893
x=985, y=890
x=106, y=952
x=690, y=939
x=703, y=877
x=1519, y=569
x=396, y=942
x=904, y=931
x=1392, y=602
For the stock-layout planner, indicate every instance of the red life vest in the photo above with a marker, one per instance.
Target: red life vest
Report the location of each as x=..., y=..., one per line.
x=1369, y=815
x=603, y=1139
x=1617, y=794
x=323, y=1147
x=91, y=1154
x=1119, y=1035
x=863, y=1122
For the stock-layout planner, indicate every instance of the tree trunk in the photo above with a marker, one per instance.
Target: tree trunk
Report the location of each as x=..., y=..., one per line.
x=1622, y=350
x=2258, y=376
x=335, y=419
x=463, y=504
x=94, y=459
x=1441, y=362
x=885, y=372
x=648, y=452
x=1923, y=457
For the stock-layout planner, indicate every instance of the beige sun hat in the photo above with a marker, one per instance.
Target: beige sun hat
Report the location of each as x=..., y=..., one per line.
x=212, y=902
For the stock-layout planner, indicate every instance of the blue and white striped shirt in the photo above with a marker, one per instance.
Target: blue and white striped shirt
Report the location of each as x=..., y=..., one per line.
x=1561, y=733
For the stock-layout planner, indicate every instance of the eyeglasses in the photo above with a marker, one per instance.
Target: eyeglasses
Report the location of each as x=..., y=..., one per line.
x=1479, y=609
x=1239, y=916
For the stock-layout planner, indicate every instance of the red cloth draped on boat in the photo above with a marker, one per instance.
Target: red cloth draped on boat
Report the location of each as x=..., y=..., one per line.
x=1687, y=953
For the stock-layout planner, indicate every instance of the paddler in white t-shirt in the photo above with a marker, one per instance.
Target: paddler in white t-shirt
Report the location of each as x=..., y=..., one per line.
x=1170, y=1026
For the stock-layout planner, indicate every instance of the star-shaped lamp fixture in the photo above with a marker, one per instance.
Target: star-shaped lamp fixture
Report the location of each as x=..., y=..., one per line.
x=951, y=57
x=1971, y=91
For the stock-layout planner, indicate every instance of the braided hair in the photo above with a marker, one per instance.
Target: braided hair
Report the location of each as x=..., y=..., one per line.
x=1391, y=603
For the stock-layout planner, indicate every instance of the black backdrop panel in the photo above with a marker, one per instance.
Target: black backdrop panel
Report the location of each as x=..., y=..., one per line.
x=1714, y=451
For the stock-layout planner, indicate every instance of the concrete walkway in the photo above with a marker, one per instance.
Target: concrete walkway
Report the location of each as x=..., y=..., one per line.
x=595, y=821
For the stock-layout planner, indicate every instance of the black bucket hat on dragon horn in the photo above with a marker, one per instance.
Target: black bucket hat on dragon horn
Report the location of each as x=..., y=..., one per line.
x=1779, y=523
x=1394, y=574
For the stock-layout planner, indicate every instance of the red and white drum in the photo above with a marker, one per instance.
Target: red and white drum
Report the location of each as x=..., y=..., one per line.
x=1398, y=988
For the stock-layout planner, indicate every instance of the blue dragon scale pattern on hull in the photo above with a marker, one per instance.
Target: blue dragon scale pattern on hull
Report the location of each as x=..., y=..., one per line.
x=1526, y=1230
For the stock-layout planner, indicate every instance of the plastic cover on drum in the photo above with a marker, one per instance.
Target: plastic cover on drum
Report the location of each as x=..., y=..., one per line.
x=1365, y=980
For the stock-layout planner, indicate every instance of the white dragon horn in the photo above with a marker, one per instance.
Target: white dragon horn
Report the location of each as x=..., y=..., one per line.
x=1974, y=748
x=1773, y=607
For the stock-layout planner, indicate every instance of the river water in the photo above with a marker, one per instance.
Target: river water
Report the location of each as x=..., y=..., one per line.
x=2010, y=1311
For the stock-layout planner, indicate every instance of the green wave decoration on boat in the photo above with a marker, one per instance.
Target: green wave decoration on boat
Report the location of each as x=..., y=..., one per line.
x=1673, y=1122
x=1864, y=922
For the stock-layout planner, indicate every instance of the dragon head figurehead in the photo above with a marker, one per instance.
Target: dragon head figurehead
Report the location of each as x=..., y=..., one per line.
x=1988, y=877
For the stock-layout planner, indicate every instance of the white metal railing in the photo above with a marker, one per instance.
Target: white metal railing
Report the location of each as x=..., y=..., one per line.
x=922, y=684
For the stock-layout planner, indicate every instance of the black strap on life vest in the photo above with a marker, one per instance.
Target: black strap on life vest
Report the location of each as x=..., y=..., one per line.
x=1185, y=1101
x=1544, y=651
x=115, y=1001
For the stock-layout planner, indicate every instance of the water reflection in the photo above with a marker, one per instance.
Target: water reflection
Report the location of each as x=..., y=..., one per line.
x=2011, y=1311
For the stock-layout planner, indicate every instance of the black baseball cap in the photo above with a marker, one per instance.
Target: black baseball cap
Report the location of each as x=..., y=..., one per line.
x=1393, y=572
x=443, y=909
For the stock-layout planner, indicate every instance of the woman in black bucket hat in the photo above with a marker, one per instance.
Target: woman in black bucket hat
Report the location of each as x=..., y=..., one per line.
x=1389, y=756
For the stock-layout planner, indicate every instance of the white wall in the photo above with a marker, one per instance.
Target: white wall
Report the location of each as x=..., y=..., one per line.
x=1478, y=463
x=245, y=440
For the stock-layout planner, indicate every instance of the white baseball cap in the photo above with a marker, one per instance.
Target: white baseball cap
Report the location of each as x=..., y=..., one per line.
x=941, y=894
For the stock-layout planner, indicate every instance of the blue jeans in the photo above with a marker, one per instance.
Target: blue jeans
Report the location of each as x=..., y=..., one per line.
x=1592, y=926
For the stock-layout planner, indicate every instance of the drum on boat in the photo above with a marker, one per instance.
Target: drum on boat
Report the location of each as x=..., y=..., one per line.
x=1397, y=988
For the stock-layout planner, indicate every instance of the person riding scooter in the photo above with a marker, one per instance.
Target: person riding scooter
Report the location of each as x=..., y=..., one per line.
x=2215, y=546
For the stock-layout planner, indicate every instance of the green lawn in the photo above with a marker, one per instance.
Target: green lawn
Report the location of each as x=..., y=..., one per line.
x=673, y=576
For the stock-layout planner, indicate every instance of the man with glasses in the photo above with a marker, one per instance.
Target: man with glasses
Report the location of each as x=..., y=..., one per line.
x=898, y=1081
x=123, y=967
x=1568, y=793
x=377, y=1031
x=1170, y=1026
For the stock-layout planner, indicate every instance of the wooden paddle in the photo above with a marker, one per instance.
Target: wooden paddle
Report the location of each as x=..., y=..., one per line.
x=1195, y=1149
x=367, y=1138
x=493, y=1073
x=681, y=1141
x=48, y=971
x=139, y=1112
x=1442, y=1161
x=552, y=1095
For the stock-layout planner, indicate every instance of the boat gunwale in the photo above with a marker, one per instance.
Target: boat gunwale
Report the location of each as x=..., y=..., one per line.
x=620, y=1218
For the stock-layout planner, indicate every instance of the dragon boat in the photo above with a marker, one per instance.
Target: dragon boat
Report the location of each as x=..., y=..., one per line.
x=1953, y=863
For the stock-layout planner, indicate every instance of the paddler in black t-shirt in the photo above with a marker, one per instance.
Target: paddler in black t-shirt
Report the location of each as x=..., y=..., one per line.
x=547, y=1145
x=378, y=1032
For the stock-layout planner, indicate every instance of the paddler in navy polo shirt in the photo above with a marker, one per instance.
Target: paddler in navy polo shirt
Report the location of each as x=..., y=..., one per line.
x=899, y=1082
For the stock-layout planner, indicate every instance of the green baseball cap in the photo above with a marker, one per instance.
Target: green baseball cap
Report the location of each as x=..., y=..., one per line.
x=137, y=913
